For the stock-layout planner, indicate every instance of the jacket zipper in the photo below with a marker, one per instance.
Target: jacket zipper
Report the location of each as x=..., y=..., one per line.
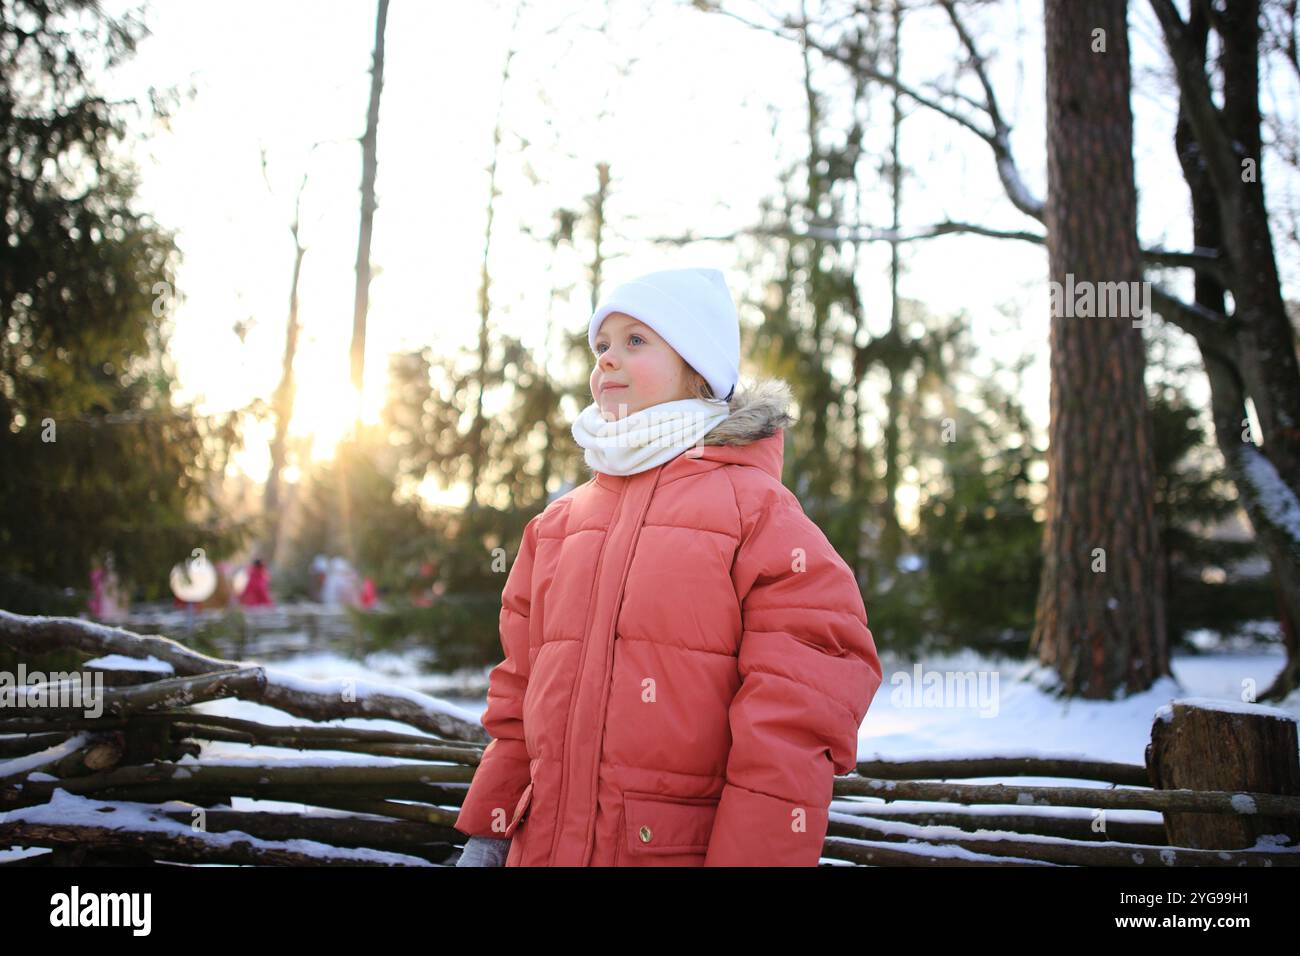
x=609, y=659
x=582, y=660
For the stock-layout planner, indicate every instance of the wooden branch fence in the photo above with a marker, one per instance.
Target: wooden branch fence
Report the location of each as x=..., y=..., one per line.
x=136, y=782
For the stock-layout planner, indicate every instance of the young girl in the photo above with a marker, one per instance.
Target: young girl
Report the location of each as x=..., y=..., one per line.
x=687, y=659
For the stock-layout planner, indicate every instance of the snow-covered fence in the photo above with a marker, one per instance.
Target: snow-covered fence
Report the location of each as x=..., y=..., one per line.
x=145, y=778
x=1224, y=777
x=125, y=770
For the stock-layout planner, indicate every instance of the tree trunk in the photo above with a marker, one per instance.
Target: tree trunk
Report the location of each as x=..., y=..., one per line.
x=369, y=170
x=817, y=469
x=283, y=407
x=1100, y=616
x=1251, y=752
x=1235, y=366
x=891, y=535
x=478, y=446
x=361, y=303
x=1270, y=369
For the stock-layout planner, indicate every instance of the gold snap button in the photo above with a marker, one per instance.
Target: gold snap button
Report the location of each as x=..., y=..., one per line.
x=645, y=834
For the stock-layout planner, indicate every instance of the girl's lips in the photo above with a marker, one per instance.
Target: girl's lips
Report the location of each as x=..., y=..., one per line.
x=610, y=388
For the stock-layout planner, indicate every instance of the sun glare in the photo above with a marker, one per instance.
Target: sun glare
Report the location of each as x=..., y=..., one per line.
x=325, y=411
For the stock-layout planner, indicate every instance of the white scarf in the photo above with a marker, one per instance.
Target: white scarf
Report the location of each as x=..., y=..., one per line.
x=647, y=438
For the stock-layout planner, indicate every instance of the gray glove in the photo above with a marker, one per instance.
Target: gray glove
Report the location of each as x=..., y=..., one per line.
x=484, y=851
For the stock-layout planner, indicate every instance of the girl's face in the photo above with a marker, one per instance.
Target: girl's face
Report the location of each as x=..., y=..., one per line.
x=635, y=368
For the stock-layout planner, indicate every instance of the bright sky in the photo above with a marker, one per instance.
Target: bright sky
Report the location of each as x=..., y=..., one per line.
x=697, y=115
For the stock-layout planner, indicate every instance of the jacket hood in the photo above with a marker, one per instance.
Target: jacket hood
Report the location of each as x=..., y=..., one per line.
x=755, y=413
x=754, y=432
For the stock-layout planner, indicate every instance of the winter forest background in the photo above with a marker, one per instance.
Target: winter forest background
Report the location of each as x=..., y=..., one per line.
x=255, y=301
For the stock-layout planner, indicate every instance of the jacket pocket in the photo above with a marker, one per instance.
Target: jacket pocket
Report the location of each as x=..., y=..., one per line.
x=521, y=811
x=659, y=825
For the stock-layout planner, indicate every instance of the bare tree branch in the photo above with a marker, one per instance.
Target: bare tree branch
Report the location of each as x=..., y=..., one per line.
x=998, y=138
x=1209, y=261
x=1201, y=260
x=834, y=232
x=1008, y=171
x=315, y=700
x=1220, y=159
x=1213, y=330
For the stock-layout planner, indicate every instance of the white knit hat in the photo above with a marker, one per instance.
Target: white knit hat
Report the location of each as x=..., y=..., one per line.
x=693, y=312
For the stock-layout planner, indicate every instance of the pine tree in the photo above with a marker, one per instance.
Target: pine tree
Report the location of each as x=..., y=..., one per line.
x=94, y=455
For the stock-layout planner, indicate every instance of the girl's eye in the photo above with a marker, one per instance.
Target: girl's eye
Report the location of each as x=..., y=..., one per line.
x=632, y=336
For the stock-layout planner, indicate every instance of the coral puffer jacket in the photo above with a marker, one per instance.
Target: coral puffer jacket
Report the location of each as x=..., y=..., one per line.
x=687, y=665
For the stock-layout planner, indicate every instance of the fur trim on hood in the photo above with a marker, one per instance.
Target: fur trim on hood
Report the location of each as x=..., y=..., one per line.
x=755, y=413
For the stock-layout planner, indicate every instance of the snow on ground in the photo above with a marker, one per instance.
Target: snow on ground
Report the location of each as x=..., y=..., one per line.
x=1010, y=713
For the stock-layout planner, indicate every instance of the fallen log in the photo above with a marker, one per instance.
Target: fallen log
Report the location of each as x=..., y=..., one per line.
x=1074, y=828
x=258, y=780
x=13, y=772
x=238, y=730
x=1103, y=798
x=915, y=854
x=103, y=752
x=21, y=745
x=1071, y=852
x=274, y=737
x=245, y=683
x=1074, y=768
x=341, y=829
x=190, y=846
x=414, y=812
x=314, y=700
